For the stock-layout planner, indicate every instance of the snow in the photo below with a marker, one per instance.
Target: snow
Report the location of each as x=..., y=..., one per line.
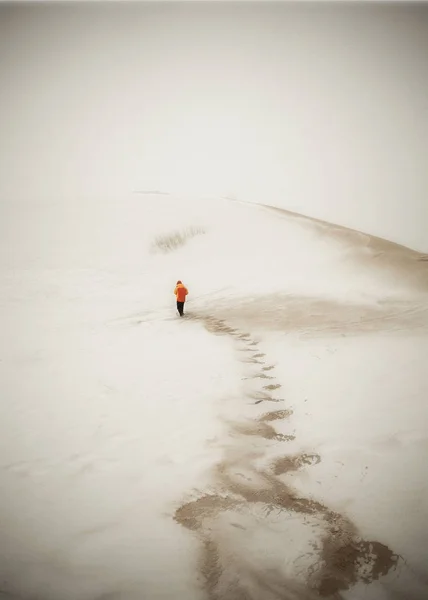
x=367, y=426
x=136, y=457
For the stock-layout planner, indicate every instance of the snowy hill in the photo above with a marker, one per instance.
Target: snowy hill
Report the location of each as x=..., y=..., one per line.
x=270, y=445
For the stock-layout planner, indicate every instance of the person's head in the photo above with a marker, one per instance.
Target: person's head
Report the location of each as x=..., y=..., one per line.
x=178, y=282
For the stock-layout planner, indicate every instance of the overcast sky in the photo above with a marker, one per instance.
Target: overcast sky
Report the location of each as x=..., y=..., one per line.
x=320, y=108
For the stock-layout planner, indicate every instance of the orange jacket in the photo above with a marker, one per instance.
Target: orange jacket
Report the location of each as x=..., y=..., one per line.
x=181, y=292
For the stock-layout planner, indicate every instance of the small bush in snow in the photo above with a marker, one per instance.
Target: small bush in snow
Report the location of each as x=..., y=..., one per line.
x=175, y=239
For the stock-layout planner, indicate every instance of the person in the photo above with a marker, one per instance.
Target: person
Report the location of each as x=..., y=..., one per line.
x=180, y=293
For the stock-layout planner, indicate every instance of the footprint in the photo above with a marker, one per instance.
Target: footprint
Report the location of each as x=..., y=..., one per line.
x=272, y=386
x=262, y=397
x=295, y=462
x=253, y=361
x=275, y=415
x=261, y=429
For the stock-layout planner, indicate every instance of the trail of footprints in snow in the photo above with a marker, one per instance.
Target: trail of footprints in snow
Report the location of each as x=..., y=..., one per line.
x=219, y=326
x=343, y=559
x=260, y=426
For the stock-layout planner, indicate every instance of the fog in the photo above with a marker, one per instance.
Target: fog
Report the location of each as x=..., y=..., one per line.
x=321, y=107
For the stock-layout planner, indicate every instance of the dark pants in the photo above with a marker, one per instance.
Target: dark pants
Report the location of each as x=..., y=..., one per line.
x=180, y=308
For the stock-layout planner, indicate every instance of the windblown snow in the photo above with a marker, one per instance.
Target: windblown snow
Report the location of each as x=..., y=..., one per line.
x=271, y=445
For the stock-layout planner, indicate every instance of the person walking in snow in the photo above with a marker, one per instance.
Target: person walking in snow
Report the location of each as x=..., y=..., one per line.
x=180, y=293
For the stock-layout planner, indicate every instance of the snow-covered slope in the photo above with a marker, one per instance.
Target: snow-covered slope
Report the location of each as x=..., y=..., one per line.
x=274, y=437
